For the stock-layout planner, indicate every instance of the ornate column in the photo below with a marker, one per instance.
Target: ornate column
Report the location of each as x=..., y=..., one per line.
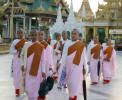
x=8, y=27
x=24, y=22
x=106, y=31
x=95, y=31
x=29, y=24
x=12, y=21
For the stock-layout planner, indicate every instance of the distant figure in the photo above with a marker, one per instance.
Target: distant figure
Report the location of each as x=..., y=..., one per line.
x=29, y=37
x=61, y=66
x=94, y=57
x=49, y=53
x=57, y=51
x=109, y=62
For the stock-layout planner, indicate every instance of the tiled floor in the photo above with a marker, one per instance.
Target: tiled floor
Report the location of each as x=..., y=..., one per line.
x=112, y=91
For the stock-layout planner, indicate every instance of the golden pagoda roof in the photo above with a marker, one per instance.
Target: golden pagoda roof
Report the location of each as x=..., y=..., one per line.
x=26, y=1
x=110, y=11
x=85, y=11
x=49, y=8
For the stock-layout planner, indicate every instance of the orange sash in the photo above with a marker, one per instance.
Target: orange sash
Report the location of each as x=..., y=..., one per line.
x=96, y=51
x=44, y=43
x=37, y=49
x=20, y=44
x=78, y=47
x=108, y=52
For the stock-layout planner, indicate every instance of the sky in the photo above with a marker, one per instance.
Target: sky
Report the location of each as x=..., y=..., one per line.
x=77, y=4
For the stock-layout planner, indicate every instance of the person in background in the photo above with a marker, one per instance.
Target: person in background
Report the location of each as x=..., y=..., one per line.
x=57, y=51
x=109, y=62
x=61, y=67
x=15, y=49
x=29, y=38
x=49, y=53
x=93, y=58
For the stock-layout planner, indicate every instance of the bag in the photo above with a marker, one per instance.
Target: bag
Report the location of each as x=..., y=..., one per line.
x=46, y=86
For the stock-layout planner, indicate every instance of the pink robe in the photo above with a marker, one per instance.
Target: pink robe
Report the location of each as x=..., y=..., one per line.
x=49, y=59
x=17, y=72
x=56, y=57
x=32, y=83
x=109, y=68
x=74, y=74
x=16, y=65
x=62, y=60
x=93, y=67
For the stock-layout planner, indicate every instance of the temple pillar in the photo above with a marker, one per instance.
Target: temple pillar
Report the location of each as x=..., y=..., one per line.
x=17, y=27
x=8, y=27
x=29, y=24
x=106, y=31
x=95, y=31
x=24, y=23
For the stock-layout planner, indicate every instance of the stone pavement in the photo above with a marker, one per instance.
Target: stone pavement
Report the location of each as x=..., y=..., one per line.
x=112, y=91
x=4, y=48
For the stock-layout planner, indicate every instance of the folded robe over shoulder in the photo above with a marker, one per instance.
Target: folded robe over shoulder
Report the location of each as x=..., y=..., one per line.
x=108, y=52
x=20, y=44
x=78, y=47
x=37, y=49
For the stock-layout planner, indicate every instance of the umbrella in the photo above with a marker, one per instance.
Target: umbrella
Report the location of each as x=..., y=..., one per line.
x=84, y=85
x=98, y=69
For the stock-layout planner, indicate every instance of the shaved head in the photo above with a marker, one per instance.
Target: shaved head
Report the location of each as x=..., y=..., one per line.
x=34, y=35
x=58, y=36
x=109, y=42
x=96, y=39
x=41, y=35
x=64, y=35
x=20, y=33
x=75, y=35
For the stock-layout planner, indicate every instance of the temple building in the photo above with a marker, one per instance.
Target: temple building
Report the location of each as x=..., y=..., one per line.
x=108, y=18
x=31, y=14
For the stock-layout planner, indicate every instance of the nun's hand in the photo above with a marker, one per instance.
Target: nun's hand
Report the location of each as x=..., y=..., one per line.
x=22, y=68
x=105, y=59
x=84, y=71
x=88, y=63
x=43, y=75
x=58, y=66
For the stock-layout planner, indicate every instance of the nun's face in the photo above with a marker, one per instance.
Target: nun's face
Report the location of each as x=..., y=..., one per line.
x=29, y=37
x=64, y=35
x=75, y=36
x=34, y=36
x=95, y=39
x=20, y=35
x=58, y=37
x=41, y=36
x=109, y=42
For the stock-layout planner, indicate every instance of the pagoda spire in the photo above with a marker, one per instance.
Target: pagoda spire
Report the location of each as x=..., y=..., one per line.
x=58, y=25
x=59, y=15
x=71, y=20
x=94, y=8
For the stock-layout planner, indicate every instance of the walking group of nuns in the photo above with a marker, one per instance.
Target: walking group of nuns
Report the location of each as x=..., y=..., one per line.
x=38, y=63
